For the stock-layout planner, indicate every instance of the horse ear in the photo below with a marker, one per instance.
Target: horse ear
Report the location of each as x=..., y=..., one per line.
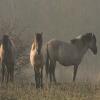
x=93, y=35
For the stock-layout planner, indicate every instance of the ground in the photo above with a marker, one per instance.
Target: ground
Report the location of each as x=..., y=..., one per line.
x=65, y=91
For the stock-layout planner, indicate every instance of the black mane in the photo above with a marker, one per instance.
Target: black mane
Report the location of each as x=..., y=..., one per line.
x=38, y=37
x=85, y=38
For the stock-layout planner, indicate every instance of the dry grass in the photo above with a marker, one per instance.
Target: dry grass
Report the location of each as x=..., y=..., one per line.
x=68, y=91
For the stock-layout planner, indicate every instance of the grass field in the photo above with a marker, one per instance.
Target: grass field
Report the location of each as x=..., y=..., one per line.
x=64, y=91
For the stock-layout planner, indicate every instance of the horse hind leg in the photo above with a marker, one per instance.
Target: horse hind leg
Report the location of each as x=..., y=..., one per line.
x=75, y=72
x=53, y=72
x=50, y=72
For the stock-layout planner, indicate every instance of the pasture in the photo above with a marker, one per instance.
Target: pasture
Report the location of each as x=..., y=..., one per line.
x=65, y=91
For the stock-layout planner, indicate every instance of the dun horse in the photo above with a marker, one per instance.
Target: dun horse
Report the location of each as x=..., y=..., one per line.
x=68, y=54
x=36, y=59
x=7, y=58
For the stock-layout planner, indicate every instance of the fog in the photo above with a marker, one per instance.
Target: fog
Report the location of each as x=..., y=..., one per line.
x=60, y=19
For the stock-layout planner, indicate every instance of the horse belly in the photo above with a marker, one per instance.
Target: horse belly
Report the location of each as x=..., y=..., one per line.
x=65, y=62
x=67, y=58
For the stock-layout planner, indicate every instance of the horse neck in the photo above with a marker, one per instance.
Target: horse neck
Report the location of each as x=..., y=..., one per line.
x=82, y=48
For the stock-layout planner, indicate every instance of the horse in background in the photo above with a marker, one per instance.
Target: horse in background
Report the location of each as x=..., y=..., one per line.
x=7, y=58
x=68, y=53
x=36, y=59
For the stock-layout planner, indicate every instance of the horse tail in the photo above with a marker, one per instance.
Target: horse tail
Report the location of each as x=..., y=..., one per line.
x=47, y=60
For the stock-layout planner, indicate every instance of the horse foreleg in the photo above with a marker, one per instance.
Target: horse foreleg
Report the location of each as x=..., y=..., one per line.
x=75, y=72
x=37, y=78
x=7, y=74
x=41, y=77
x=12, y=73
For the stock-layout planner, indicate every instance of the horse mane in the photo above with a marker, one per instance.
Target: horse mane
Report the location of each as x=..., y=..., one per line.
x=38, y=37
x=76, y=40
x=33, y=45
x=85, y=38
x=6, y=44
x=6, y=40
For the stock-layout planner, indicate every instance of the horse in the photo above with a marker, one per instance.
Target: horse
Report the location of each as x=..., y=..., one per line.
x=68, y=53
x=7, y=58
x=36, y=59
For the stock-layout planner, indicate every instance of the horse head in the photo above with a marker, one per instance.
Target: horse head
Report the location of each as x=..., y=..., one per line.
x=90, y=39
x=38, y=42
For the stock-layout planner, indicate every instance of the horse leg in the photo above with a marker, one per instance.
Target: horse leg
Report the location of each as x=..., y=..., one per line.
x=47, y=72
x=3, y=72
x=7, y=75
x=37, y=78
x=12, y=73
x=50, y=71
x=53, y=72
x=75, y=72
x=41, y=77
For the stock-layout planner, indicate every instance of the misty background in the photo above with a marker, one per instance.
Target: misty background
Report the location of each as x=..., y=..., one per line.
x=60, y=19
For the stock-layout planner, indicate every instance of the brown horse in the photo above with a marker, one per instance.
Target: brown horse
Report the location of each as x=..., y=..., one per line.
x=7, y=58
x=68, y=53
x=36, y=59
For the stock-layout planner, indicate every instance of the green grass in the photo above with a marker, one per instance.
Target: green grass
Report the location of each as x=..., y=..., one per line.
x=65, y=91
